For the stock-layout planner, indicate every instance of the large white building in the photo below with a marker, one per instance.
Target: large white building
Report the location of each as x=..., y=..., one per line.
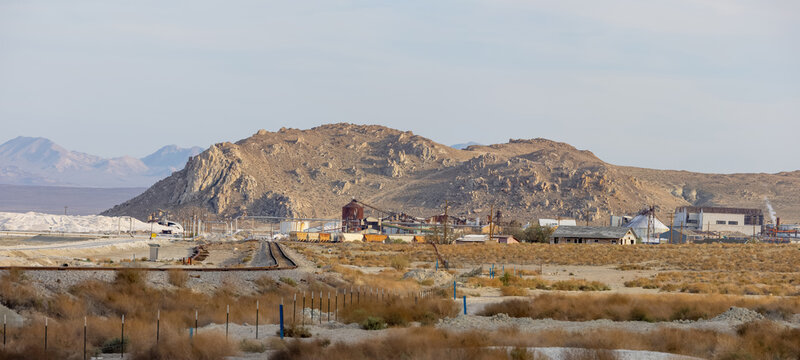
x=709, y=218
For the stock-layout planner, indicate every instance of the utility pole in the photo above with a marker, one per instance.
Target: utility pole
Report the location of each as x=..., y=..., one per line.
x=491, y=222
x=65, y=210
x=445, y=222
x=671, y=226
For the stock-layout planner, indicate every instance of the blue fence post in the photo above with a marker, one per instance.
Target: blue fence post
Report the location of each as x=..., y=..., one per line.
x=280, y=310
x=465, y=304
x=454, y=290
x=437, y=264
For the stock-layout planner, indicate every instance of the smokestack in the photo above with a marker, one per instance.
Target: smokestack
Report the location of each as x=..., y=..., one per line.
x=778, y=224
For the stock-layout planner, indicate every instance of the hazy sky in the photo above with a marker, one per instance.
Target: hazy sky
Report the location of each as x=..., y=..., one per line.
x=708, y=86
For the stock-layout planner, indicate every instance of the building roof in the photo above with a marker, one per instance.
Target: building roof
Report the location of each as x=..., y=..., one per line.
x=641, y=222
x=593, y=232
x=719, y=210
x=473, y=238
x=559, y=222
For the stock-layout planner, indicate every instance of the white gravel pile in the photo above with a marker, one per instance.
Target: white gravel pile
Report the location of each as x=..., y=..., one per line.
x=737, y=314
x=32, y=221
x=438, y=277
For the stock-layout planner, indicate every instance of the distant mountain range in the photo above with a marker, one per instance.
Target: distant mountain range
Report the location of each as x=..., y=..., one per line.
x=465, y=145
x=40, y=161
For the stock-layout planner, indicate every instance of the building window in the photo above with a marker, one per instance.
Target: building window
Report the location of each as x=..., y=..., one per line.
x=733, y=223
x=595, y=240
x=691, y=221
x=720, y=222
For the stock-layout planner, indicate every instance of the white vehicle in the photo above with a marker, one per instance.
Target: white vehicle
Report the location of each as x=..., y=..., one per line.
x=174, y=228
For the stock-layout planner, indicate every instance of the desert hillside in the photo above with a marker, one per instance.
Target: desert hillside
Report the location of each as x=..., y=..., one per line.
x=312, y=173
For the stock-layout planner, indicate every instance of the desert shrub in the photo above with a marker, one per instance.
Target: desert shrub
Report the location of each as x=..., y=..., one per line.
x=296, y=331
x=627, y=267
x=177, y=277
x=265, y=284
x=400, y=262
x=513, y=291
x=130, y=277
x=205, y=345
x=115, y=345
x=619, y=307
x=373, y=323
x=396, y=311
x=17, y=293
x=579, y=285
x=252, y=346
x=288, y=281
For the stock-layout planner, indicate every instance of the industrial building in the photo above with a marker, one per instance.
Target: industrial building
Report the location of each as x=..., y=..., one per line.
x=593, y=235
x=676, y=236
x=719, y=219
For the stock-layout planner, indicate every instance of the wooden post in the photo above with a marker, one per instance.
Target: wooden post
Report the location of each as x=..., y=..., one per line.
x=257, y=315
x=122, y=338
x=84, y=338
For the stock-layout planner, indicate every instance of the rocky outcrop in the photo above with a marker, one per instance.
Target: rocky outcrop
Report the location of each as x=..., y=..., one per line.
x=312, y=173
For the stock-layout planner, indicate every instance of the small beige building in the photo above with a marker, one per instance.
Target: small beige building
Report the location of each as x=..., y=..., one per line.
x=593, y=235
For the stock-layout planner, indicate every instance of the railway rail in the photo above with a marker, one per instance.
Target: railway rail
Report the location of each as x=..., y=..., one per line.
x=280, y=258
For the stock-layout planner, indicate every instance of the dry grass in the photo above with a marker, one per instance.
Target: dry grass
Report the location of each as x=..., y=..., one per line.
x=619, y=307
x=177, y=277
x=104, y=304
x=389, y=279
x=761, y=340
x=723, y=282
x=738, y=257
x=17, y=292
x=400, y=262
x=399, y=310
x=508, y=282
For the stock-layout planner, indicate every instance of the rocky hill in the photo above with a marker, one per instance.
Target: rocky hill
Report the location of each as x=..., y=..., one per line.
x=312, y=173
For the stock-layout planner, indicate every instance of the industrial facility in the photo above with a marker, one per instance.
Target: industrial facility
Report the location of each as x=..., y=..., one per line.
x=719, y=219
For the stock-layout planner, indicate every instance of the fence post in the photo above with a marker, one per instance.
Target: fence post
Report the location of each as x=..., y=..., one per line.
x=303, y=310
x=122, y=338
x=336, y=305
x=195, y=320
x=329, y=306
x=320, y=307
x=84, y=338
x=294, y=309
x=280, y=311
x=312, y=307
x=257, y=317
x=45, y=334
x=227, y=319
x=465, y=304
x=158, y=325
x=4, y=331
x=454, y=290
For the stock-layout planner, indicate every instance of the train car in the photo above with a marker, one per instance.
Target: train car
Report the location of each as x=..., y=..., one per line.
x=324, y=237
x=298, y=236
x=348, y=237
x=374, y=238
x=313, y=237
x=419, y=239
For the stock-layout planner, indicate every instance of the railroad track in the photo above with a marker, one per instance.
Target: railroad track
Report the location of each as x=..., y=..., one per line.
x=280, y=258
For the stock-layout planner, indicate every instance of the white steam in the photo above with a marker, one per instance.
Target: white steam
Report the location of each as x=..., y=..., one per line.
x=771, y=210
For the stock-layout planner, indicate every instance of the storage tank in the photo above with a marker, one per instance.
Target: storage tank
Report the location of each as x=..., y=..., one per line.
x=352, y=213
